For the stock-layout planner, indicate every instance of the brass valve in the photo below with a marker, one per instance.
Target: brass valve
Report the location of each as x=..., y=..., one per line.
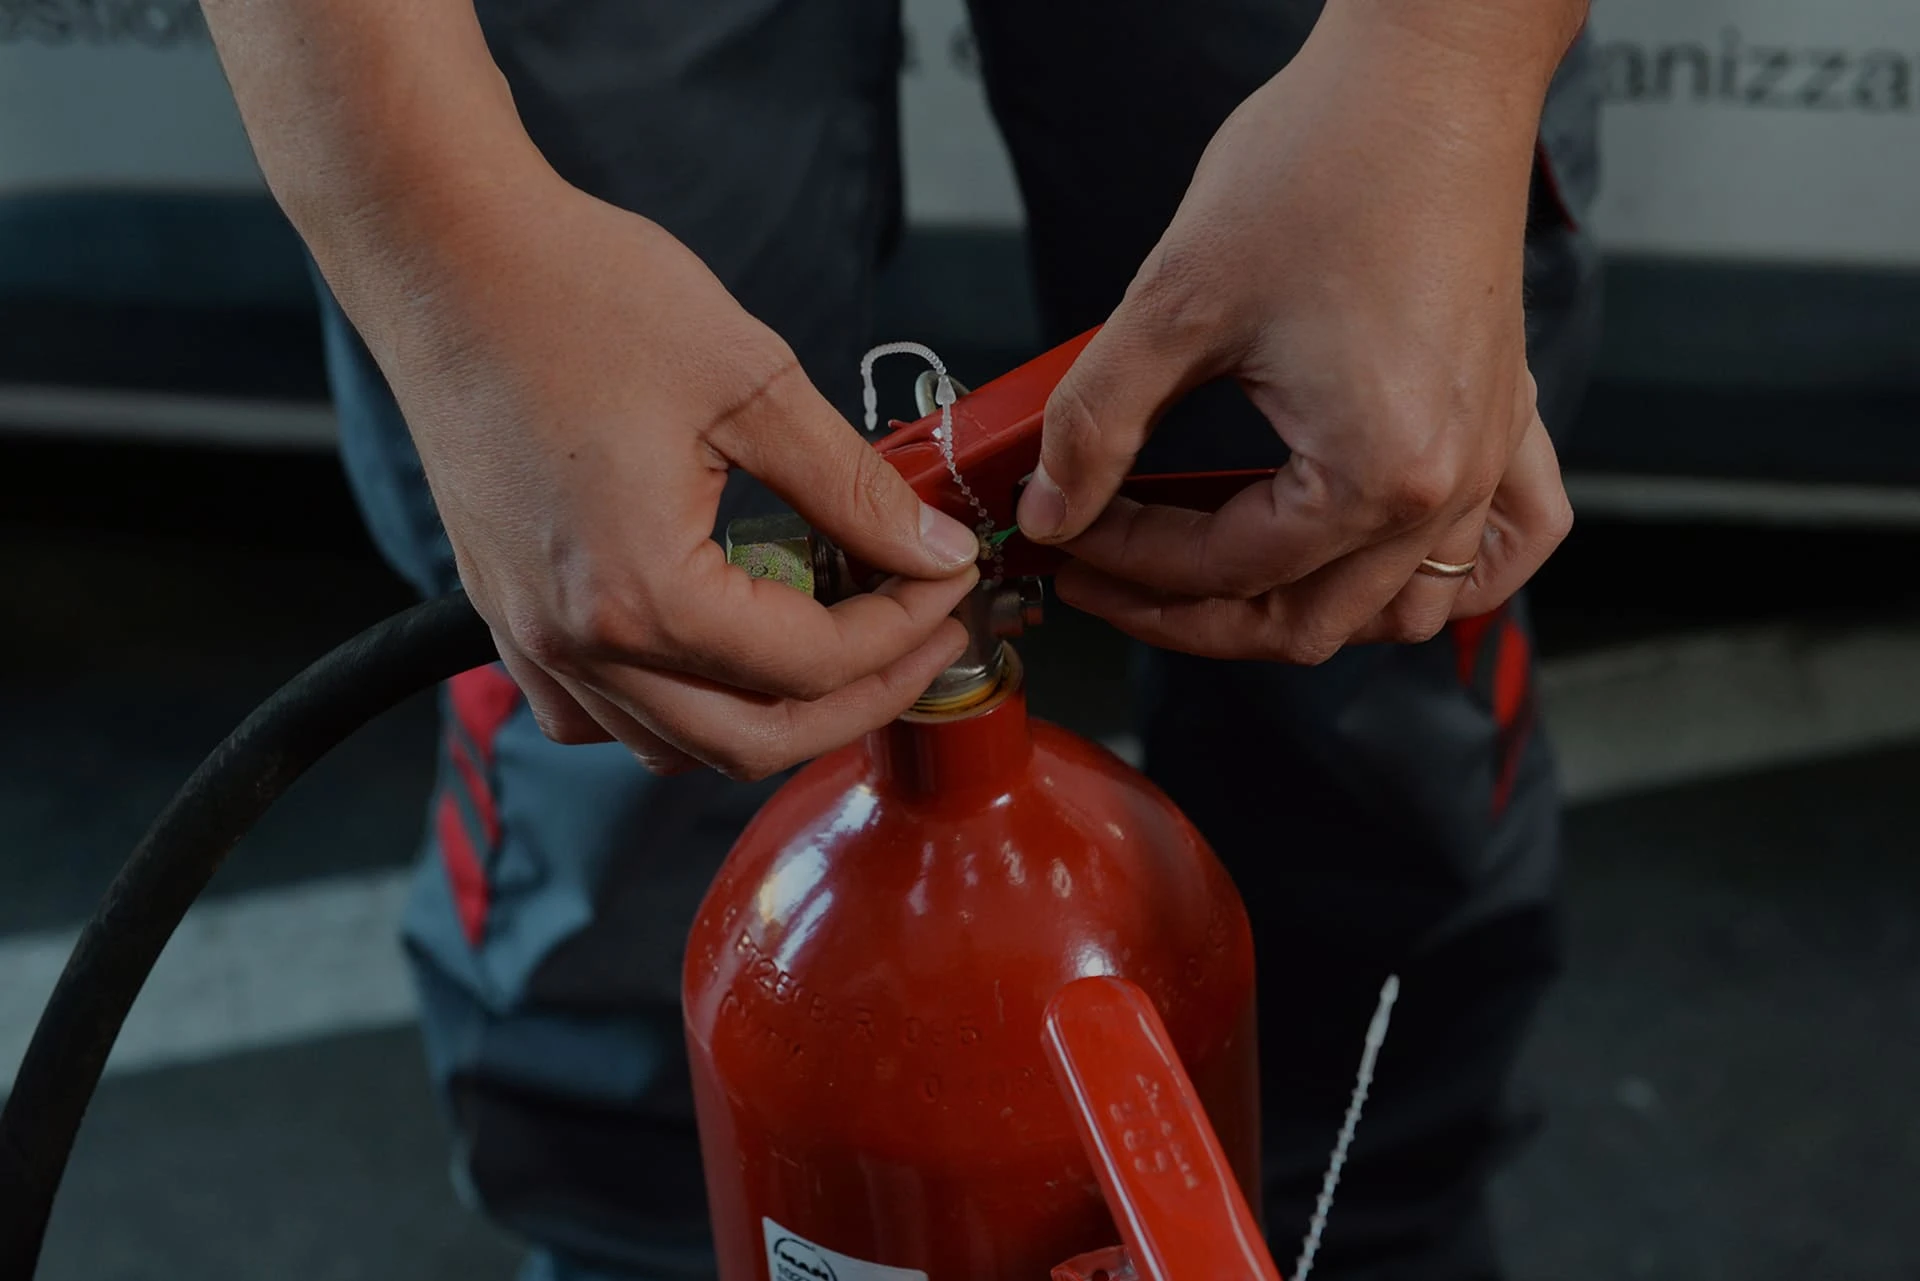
x=784, y=549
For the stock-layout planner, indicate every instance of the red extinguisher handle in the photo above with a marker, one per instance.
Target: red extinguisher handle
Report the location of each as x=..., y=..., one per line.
x=1180, y=1211
x=996, y=445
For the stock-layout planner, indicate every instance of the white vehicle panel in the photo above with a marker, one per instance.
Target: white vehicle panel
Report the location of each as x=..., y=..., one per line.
x=115, y=94
x=1770, y=130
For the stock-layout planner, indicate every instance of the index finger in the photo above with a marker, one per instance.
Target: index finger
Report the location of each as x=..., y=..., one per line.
x=1306, y=622
x=1270, y=534
x=794, y=443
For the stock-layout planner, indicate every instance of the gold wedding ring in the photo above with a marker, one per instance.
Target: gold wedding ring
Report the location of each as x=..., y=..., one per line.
x=1441, y=569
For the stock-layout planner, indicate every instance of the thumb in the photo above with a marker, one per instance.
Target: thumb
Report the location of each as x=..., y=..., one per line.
x=804, y=451
x=1100, y=416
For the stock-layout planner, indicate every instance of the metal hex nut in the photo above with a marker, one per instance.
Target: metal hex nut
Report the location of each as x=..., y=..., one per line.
x=778, y=547
x=1018, y=607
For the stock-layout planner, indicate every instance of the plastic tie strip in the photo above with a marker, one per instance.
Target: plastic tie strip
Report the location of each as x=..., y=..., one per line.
x=944, y=396
x=1363, y=1081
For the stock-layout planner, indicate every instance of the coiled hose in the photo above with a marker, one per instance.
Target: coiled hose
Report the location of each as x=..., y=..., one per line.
x=226, y=795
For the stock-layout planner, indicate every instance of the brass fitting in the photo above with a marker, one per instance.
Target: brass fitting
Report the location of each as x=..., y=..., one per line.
x=782, y=548
x=992, y=615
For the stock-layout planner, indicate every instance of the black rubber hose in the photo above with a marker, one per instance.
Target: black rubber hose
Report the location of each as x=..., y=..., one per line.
x=233, y=787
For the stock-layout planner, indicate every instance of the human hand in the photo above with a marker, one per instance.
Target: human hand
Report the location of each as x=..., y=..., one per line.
x=579, y=386
x=1350, y=250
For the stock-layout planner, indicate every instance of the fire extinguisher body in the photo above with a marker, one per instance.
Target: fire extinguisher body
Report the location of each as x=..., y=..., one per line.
x=865, y=986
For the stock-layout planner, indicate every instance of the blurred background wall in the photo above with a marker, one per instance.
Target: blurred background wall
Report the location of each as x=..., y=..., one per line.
x=1758, y=208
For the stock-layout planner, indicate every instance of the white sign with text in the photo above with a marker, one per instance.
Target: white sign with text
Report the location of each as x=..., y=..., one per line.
x=1776, y=130
x=1759, y=129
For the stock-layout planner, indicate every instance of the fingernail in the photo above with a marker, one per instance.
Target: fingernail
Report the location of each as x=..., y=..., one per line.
x=946, y=539
x=1043, y=508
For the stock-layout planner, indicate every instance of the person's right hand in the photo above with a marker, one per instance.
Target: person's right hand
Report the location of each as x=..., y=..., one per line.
x=579, y=385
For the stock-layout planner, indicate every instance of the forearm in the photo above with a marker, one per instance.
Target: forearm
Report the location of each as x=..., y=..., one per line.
x=1475, y=71
x=1449, y=95
x=382, y=128
x=1504, y=45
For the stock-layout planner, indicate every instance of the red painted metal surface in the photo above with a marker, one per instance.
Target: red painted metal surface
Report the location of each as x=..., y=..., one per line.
x=996, y=437
x=1173, y=1191
x=865, y=986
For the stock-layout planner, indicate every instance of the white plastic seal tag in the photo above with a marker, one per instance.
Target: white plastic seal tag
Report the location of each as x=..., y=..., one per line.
x=791, y=1257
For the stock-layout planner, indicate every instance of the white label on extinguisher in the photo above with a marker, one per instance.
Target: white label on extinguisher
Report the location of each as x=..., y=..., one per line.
x=791, y=1257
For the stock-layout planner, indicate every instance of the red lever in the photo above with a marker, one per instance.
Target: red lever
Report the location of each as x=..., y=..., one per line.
x=996, y=445
x=1179, y=1209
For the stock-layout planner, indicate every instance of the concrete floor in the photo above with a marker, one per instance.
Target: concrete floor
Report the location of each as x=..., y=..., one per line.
x=1728, y=1071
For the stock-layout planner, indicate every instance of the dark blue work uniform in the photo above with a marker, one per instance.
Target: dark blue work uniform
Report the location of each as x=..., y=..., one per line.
x=1392, y=809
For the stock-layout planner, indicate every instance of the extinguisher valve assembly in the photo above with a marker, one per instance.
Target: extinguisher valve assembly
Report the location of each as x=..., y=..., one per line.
x=783, y=549
x=969, y=454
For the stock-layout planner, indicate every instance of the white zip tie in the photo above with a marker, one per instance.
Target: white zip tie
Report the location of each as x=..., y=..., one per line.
x=944, y=396
x=1376, y=1034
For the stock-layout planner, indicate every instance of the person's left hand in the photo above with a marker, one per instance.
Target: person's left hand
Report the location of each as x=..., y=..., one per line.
x=1351, y=251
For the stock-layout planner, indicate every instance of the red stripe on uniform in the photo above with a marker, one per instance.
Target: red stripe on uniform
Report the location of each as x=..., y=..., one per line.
x=1510, y=666
x=1508, y=675
x=477, y=790
x=1512, y=708
x=465, y=875
x=1468, y=635
x=482, y=700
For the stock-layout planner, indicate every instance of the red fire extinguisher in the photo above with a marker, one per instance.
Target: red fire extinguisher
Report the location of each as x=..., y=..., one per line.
x=971, y=997
x=969, y=1001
